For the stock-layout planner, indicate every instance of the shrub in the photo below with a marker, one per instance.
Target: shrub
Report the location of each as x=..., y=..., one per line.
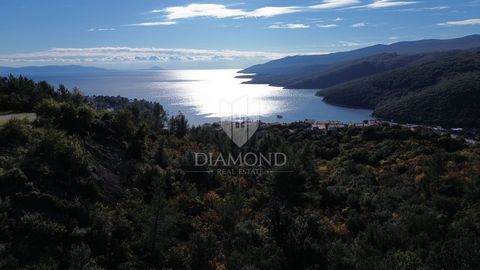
x=16, y=132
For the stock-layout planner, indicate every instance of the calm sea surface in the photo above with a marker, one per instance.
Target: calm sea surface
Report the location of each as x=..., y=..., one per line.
x=207, y=95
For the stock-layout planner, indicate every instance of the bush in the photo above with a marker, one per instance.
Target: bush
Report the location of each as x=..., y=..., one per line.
x=16, y=132
x=64, y=154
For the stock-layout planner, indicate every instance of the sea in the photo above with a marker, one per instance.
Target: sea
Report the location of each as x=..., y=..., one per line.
x=207, y=96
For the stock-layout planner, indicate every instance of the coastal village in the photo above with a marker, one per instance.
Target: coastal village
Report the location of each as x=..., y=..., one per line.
x=471, y=136
x=325, y=127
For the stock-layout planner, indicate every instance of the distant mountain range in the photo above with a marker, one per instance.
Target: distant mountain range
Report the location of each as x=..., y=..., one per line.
x=426, y=82
x=298, y=66
x=58, y=69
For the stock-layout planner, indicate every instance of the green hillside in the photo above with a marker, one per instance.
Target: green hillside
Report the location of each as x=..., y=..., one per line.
x=441, y=90
x=320, y=77
x=351, y=70
x=108, y=183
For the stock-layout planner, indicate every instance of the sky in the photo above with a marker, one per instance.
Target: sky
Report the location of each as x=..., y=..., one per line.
x=215, y=33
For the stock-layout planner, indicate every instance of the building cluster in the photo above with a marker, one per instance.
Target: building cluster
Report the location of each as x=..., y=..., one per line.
x=334, y=126
x=470, y=135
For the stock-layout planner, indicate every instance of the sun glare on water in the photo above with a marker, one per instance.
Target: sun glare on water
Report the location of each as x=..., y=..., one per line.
x=217, y=93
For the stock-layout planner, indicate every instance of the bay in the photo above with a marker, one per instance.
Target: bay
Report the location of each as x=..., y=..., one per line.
x=206, y=96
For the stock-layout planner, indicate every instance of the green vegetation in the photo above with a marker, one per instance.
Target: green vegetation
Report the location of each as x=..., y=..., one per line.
x=87, y=187
x=326, y=76
x=352, y=70
x=432, y=82
x=441, y=90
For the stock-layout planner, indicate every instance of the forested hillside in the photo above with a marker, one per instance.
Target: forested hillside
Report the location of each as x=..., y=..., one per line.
x=443, y=90
x=294, y=66
x=432, y=82
x=336, y=73
x=108, y=183
x=349, y=71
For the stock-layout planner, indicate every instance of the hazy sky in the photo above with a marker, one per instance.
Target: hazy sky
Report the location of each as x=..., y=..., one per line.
x=167, y=33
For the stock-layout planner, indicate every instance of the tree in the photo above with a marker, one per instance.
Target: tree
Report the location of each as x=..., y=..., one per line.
x=159, y=116
x=178, y=125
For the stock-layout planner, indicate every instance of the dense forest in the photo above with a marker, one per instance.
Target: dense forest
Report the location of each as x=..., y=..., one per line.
x=107, y=183
x=327, y=76
x=442, y=90
x=352, y=70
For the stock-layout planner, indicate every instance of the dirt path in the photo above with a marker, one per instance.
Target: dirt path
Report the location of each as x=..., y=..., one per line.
x=29, y=116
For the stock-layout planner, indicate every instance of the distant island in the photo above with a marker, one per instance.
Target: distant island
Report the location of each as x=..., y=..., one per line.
x=57, y=69
x=432, y=82
x=156, y=68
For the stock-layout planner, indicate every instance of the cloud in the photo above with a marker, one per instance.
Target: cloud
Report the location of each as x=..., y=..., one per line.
x=393, y=38
x=101, y=29
x=376, y=4
x=326, y=25
x=221, y=11
x=362, y=24
x=128, y=55
x=436, y=8
x=272, y=11
x=167, y=23
x=331, y=4
x=200, y=10
x=289, y=26
x=461, y=23
x=348, y=44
